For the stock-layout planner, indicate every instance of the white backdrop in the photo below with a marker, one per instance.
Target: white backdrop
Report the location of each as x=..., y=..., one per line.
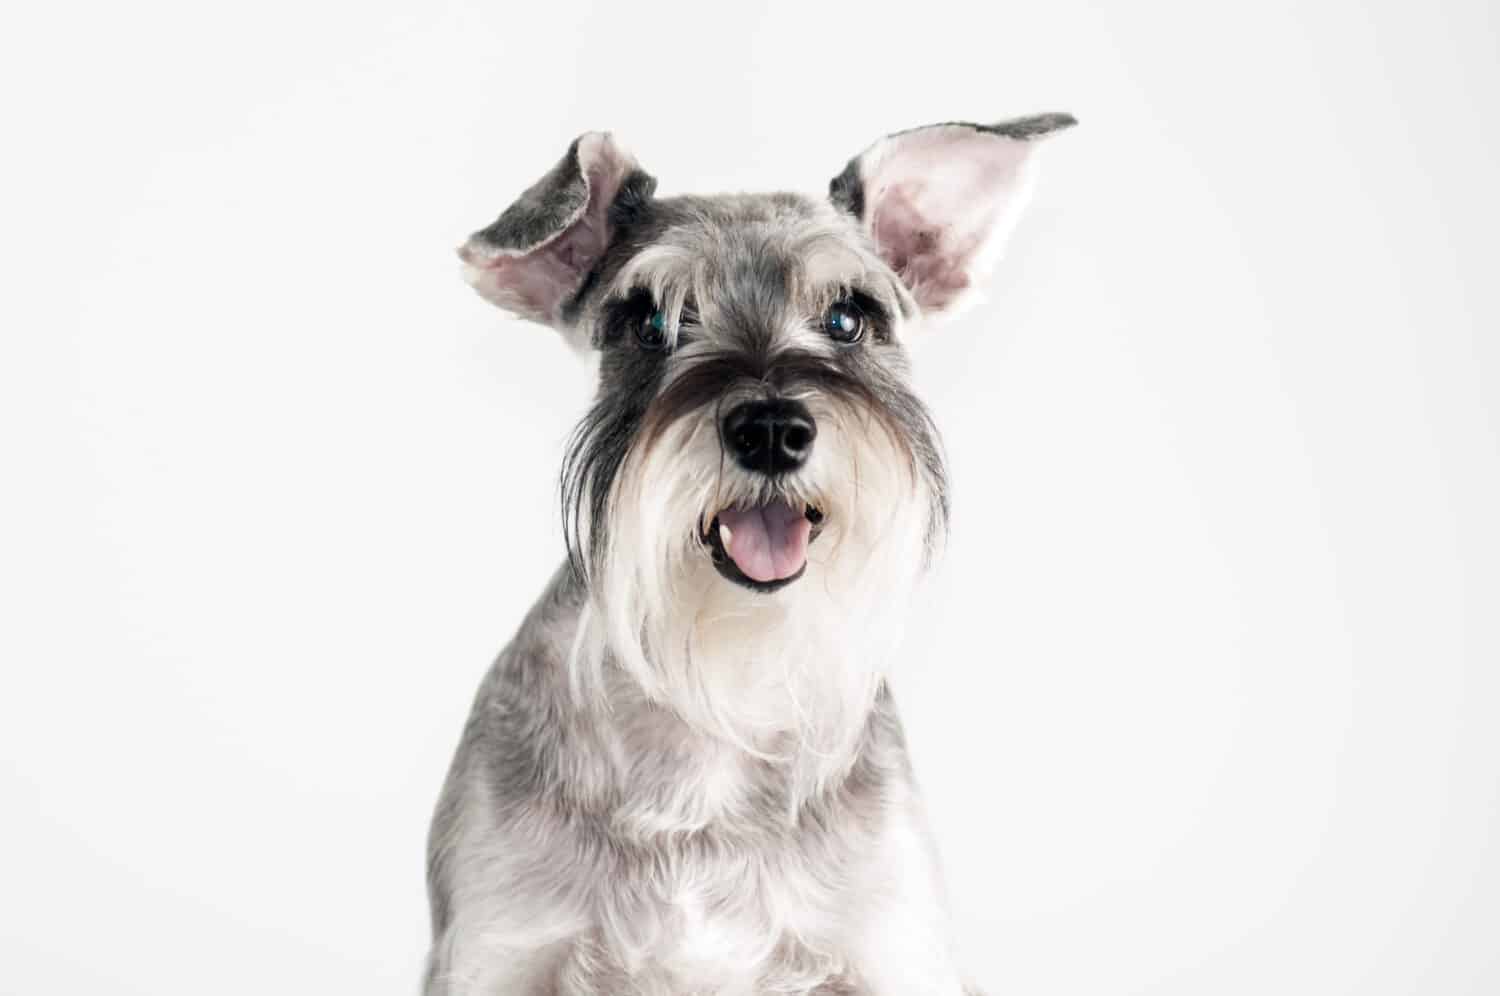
x=1205, y=699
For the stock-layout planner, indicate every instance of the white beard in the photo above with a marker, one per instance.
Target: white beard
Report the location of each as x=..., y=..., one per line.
x=786, y=675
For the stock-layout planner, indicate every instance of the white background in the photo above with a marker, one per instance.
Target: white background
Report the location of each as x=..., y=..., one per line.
x=1206, y=698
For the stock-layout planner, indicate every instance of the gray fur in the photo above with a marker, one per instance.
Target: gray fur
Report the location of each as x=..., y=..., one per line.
x=549, y=206
x=544, y=209
x=641, y=803
x=540, y=759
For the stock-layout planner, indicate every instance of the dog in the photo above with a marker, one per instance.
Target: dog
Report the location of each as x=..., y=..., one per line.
x=685, y=774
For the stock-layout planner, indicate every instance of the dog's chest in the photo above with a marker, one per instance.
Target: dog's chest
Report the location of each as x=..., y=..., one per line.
x=724, y=923
x=727, y=881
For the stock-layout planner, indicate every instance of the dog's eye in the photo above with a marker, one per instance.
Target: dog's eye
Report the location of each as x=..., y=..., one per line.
x=652, y=331
x=844, y=321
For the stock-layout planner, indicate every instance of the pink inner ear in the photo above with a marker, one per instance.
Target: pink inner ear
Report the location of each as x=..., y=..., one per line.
x=531, y=285
x=919, y=249
x=536, y=283
x=940, y=202
x=581, y=243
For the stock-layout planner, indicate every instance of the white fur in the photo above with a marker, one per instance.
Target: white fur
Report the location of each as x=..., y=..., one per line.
x=805, y=660
x=710, y=928
x=720, y=802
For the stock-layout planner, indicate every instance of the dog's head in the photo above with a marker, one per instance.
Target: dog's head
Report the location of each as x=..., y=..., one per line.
x=755, y=462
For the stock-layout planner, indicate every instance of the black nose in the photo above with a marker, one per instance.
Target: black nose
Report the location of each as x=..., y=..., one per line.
x=772, y=437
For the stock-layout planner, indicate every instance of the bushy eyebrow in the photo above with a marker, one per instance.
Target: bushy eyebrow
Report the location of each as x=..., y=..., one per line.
x=822, y=263
x=625, y=308
x=834, y=267
x=665, y=274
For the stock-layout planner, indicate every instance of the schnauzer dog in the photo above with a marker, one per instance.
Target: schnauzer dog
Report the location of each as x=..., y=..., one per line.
x=685, y=774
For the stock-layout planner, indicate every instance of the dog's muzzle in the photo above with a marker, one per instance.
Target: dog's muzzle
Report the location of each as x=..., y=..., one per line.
x=762, y=547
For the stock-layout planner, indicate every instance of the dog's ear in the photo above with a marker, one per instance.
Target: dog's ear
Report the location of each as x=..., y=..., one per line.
x=939, y=201
x=534, y=258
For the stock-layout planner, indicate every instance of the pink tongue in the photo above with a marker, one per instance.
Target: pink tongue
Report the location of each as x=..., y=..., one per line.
x=768, y=542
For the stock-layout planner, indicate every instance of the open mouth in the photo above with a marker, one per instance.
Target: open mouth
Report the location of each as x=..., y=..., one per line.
x=762, y=547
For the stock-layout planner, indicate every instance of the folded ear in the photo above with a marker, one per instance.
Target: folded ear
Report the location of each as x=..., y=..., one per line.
x=939, y=201
x=533, y=259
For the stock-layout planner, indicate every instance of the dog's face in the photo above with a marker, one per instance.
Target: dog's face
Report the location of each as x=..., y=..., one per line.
x=755, y=451
x=753, y=387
